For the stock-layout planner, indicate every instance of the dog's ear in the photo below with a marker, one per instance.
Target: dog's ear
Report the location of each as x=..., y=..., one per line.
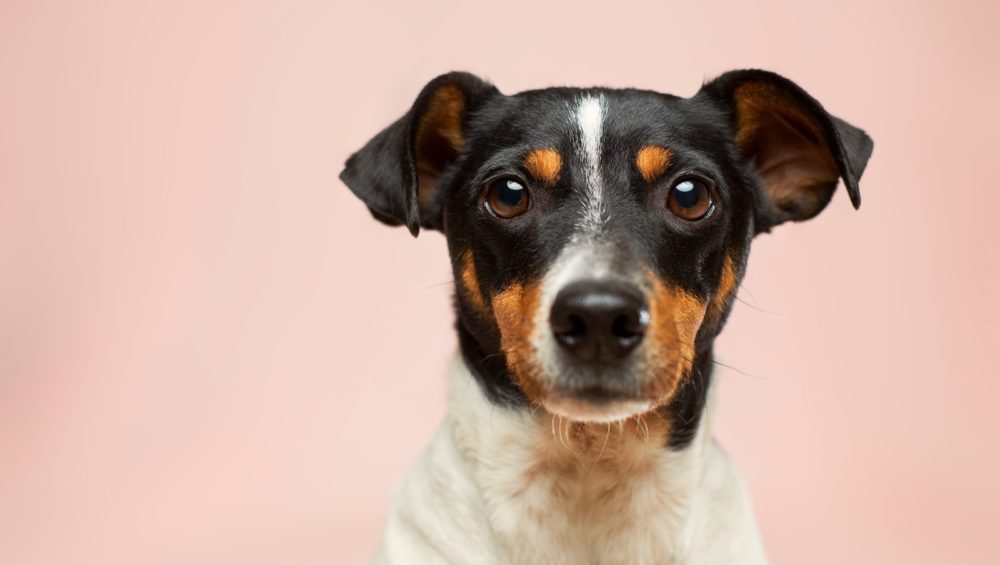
x=396, y=173
x=798, y=150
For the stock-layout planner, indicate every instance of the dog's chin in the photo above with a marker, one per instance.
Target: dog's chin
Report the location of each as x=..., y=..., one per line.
x=596, y=410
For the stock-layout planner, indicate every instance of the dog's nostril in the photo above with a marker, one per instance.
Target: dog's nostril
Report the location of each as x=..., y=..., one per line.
x=626, y=327
x=569, y=328
x=577, y=327
x=599, y=321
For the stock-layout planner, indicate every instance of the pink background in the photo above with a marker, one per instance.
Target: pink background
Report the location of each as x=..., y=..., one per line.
x=210, y=354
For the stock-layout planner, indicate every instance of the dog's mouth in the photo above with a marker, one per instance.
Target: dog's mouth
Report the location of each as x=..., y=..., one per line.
x=596, y=405
x=606, y=396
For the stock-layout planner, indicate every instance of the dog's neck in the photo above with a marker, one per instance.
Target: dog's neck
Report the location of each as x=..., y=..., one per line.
x=583, y=485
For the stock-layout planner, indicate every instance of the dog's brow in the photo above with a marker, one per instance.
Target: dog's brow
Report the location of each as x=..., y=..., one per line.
x=652, y=161
x=544, y=164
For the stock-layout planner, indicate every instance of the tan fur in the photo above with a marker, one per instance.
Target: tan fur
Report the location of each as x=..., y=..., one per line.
x=727, y=284
x=515, y=310
x=544, y=164
x=470, y=284
x=652, y=161
x=440, y=133
x=675, y=316
x=753, y=101
x=795, y=175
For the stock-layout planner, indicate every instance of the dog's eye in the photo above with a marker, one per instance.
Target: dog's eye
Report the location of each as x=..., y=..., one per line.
x=691, y=199
x=507, y=198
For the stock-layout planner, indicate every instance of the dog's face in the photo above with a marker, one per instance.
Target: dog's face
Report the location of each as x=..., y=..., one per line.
x=598, y=236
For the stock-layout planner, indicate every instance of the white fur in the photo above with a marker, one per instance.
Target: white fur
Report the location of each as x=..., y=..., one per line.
x=501, y=486
x=590, y=121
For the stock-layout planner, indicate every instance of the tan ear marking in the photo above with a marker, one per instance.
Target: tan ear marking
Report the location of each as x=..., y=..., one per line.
x=443, y=117
x=439, y=138
x=652, y=161
x=544, y=164
x=788, y=149
x=754, y=102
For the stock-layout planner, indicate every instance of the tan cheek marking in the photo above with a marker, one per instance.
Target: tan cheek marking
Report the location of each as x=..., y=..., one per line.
x=652, y=161
x=515, y=308
x=439, y=138
x=727, y=284
x=675, y=317
x=470, y=283
x=544, y=164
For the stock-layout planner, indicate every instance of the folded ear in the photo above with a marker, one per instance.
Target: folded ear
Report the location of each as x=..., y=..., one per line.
x=798, y=150
x=396, y=173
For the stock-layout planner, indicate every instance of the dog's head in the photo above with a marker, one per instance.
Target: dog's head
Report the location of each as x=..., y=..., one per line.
x=598, y=236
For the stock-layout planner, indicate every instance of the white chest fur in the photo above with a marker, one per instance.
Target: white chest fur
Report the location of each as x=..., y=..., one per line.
x=506, y=486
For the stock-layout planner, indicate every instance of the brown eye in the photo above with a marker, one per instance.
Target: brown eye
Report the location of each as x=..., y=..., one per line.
x=691, y=199
x=507, y=198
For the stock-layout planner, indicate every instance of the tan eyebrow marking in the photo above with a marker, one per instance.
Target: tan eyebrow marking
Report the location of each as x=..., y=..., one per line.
x=652, y=161
x=544, y=164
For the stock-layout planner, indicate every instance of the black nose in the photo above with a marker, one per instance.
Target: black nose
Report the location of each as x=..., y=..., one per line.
x=599, y=321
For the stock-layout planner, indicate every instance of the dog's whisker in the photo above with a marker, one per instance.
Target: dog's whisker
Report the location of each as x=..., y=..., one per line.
x=600, y=453
x=559, y=431
x=740, y=371
x=603, y=447
x=757, y=308
x=660, y=416
x=491, y=356
x=563, y=439
x=743, y=288
x=430, y=287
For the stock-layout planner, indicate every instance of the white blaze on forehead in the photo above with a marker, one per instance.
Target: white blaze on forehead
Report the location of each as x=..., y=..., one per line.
x=590, y=121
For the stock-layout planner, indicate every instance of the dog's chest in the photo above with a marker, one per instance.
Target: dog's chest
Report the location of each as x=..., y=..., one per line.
x=500, y=486
x=592, y=494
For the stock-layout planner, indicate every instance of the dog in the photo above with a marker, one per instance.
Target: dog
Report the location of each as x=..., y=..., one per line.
x=597, y=238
